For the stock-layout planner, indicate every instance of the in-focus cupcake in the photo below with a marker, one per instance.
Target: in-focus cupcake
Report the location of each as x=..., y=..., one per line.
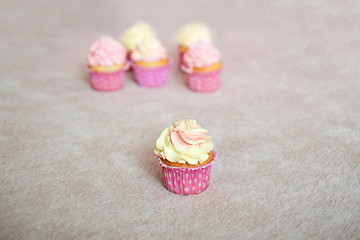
x=185, y=154
x=135, y=34
x=106, y=64
x=190, y=34
x=202, y=65
x=150, y=63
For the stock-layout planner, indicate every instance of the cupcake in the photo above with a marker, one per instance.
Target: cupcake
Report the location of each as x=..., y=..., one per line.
x=150, y=63
x=202, y=65
x=106, y=64
x=190, y=34
x=185, y=154
x=135, y=34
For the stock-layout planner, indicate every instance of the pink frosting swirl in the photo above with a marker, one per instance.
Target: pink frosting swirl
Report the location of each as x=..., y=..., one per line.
x=200, y=55
x=184, y=141
x=106, y=52
x=186, y=133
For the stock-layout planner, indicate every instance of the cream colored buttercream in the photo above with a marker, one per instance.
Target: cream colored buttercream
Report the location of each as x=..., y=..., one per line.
x=184, y=142
x=149, y=50
x=192, y=33
x=135, y=34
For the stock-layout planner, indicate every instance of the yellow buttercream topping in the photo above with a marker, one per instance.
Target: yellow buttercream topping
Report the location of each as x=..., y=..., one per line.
x=184, y=142
x=192, y=33
x=149, y=50
x=135, y=34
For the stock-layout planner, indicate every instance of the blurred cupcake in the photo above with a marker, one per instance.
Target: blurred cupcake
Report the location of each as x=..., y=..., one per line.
x=150, y=63
x=135, y=34
x=106, y=64
x=185, y=154
x=190, y=34
x=202, y=65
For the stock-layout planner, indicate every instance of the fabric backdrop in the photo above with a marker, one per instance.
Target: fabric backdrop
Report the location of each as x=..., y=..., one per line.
x=78, y=164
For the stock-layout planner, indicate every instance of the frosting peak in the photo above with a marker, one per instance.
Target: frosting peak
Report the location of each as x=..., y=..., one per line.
x=136, y=33
x=192, y=33
x=184, y=142
x=149, y=50
x=200, y=55
x=106, y=52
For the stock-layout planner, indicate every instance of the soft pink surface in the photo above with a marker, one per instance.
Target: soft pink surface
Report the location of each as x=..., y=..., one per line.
x=78, y=163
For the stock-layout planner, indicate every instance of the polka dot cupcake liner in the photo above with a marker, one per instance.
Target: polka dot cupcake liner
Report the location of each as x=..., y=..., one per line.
x=204, y=82
x=186, y=181
x=151, y=77
x=107, y=81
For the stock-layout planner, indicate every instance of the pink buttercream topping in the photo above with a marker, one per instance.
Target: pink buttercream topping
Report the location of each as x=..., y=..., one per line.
x=201, y=54
x=106, y=52
x=184, y=141
x=186, y=133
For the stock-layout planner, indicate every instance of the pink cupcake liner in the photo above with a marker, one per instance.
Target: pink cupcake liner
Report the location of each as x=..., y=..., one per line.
x=151, y=77
x=181, y=58
x=203, y=82
x=128, y=59
x=128, y=56
x=110, y=81
x=187, y=181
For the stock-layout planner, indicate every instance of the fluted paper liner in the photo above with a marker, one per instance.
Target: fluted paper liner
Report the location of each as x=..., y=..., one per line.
x=151, y=77
x=187, y=181
x=107, y=81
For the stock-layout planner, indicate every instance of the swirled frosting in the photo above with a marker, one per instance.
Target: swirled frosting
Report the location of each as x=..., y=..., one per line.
x=106, y=52
x=200, y=55
x=135, y=34
x=184, y=142
x=149, y=50
x=192, y=33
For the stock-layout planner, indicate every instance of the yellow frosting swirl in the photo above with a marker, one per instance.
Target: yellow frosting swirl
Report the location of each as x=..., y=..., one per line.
x=193, y=32
x=149, y=50
x=184, y=142
x=135, y=34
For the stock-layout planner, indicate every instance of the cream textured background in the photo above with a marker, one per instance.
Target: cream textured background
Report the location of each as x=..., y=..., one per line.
x=78, y=164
